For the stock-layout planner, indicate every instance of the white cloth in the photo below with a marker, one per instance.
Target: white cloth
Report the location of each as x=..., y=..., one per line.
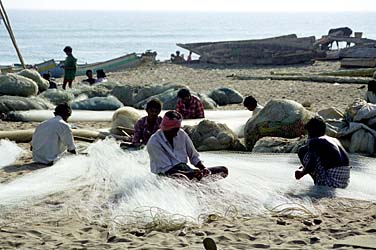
x=101, y=79
x=256, y=110
x=163, y=157
x=50, y=139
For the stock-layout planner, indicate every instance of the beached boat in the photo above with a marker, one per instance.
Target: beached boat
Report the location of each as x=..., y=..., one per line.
x=123, y=62
x=280, y=50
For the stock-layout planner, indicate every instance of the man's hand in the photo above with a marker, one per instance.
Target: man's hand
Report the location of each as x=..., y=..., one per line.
x=299, y=173
x=205, y=172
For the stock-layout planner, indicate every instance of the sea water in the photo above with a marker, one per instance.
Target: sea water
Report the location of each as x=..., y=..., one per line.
x=98, y=36
x=117, y=185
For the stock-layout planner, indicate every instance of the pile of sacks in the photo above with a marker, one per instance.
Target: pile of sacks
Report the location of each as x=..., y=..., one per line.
x=18, y=91
x=102, y=96
x=356, y=128
x=209, y=135
x=278, y=119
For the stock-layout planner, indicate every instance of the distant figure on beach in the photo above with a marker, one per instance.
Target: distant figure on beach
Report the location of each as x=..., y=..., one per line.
x=172, y=57
x=189, y=106
x=371, y=92
x=101, y=76
x=52, y=84
x=53, y=136
x=252, y=105
x=70, y=66
x=90, y=79
x=323, y=157
x=178, y=58
x=148, y=125
x=170, y=148
x=189, y=57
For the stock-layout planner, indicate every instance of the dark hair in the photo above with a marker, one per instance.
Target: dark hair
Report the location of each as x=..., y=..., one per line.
x=68, y=49
x=250, y=101
x=88, y=71
x=46, y=76
x=154, y=103
x=63, y=109
x=177, y=52
x=101, y=73
x=184, y=93
x=316, y=127
x=372, y=86
x=173, y=114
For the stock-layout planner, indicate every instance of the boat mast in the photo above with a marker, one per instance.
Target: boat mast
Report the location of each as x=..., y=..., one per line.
x=4, y=17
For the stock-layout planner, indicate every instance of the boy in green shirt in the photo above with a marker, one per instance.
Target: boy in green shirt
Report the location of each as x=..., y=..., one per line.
x=69, y=67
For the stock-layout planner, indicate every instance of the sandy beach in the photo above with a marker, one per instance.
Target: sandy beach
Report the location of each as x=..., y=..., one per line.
x=51, y=223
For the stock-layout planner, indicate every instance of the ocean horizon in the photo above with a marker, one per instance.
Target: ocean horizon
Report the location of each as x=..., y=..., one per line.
x=102, y=35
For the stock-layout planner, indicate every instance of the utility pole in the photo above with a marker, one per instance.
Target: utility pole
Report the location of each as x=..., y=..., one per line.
x=5, y=19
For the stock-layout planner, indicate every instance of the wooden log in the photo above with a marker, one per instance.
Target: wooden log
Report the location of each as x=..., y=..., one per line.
x=306, y=78
x=24, y=136
x=358, y=62
x=351, y=73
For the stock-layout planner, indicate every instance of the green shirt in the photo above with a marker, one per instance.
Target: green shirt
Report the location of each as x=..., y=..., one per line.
x=70, y=67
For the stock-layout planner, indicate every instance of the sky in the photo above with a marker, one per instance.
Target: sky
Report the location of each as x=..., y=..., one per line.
x=198, y=5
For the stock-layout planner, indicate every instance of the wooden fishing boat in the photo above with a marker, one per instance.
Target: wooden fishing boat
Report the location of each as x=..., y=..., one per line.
x=123, y=62
x=280, y=50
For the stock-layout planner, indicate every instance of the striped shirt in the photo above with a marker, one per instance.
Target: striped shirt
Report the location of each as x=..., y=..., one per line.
x=194, y=110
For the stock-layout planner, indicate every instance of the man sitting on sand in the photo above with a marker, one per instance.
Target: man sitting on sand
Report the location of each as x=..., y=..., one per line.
x=189, y=106
x=52, y=84
x=323, y=157
x=53, y=136
x=148, y=125
x=251, y=104
x=170, y=147
x=178, y=58
x=371, y=92
x=101, y=76
x=90, y=79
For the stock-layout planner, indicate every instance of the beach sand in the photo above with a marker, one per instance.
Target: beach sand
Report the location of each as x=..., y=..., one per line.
x=52, y=224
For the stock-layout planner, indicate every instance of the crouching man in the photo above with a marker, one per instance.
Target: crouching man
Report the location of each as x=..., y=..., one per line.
x=52, y=137
x=170, y=147
x=323, y=157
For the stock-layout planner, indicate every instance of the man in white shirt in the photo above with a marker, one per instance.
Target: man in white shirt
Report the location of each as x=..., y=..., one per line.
x=251, y=104
x=52, y=137
x=170, y=148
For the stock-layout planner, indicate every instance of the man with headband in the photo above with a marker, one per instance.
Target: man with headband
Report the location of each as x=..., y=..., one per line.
x=170, y=147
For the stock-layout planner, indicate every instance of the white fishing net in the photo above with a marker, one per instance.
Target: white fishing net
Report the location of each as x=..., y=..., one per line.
x=115, y=187
x=9, y=152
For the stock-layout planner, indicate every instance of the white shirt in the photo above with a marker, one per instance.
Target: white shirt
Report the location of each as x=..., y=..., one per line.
x=50, y=139
x=256, y=110
x=101, y=79
x=163, y=157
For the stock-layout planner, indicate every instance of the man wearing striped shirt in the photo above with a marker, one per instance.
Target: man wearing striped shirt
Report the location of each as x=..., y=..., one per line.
x=189, y=106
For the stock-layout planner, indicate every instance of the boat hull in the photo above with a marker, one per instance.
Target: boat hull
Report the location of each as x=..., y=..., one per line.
x=123, y=62
x=281, y=50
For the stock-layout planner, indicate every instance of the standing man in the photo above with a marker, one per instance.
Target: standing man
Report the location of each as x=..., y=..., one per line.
x=170, y=147
x=53, y=136
x=323, y=157
x=69, y=67
x=189, y=106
